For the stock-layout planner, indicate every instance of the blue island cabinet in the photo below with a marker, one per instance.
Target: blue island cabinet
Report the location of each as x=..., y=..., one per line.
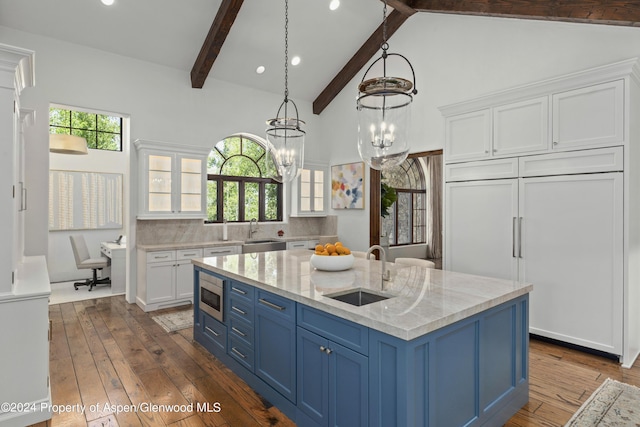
x=322, y=370
x=333, y=377
x=471, y=373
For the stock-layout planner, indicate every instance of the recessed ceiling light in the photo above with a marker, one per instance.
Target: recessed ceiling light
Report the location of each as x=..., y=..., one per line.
x=260, y=69
x=295, y=60
x=334, y=4
x=110, y=2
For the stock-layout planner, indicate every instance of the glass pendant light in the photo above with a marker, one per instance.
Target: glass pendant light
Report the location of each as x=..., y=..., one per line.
x=284, y=134
x=384, y=112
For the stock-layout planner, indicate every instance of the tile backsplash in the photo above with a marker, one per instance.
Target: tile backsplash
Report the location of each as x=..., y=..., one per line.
x=167, y=231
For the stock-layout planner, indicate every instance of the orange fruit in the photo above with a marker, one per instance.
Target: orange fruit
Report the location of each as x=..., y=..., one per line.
x=338, y=244
x=347, y=251
x=319, y=248
x=330, y=248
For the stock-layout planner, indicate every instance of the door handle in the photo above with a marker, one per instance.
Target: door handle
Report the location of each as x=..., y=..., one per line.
x=271, y=305
x=520, y=238
x=513, y=237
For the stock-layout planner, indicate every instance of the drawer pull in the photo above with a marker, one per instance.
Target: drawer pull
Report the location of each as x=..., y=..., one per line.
x=159, y=257
x=193, y=254
x=214, y=333
x=325, y=349
x=238, y=352
x=240, y=291
x=271, y=305
x=238, y=331
x=236, y=309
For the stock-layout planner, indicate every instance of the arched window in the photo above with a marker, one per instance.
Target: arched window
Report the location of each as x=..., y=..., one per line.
x=406, y=223
x=238, y=183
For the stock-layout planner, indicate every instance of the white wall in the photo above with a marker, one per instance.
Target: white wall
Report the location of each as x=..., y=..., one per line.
x=460, y=57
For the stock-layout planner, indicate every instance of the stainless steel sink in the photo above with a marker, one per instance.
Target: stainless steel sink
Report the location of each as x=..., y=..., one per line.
x=263, y=245
x=358, y=297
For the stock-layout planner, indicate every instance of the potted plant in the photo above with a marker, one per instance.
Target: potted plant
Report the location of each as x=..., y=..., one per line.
x=388, y=197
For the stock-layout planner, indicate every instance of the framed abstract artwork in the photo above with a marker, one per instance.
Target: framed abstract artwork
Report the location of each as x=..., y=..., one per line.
x=347, y=186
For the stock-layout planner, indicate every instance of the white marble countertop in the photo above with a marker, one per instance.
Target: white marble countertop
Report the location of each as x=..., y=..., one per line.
x=190, y=245
x=214, y=243
x=32, y=280
x=422, y=300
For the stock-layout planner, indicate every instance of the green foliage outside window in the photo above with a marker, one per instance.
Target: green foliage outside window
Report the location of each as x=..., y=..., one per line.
x=240, y=186
x=102, y=131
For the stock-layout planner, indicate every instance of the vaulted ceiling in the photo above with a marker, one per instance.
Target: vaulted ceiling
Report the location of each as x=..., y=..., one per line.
x=228, y=39
x=595, y=12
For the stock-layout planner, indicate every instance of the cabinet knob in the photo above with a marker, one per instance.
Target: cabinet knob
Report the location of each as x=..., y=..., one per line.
x=555, y=142
x=495, y=150
x=486, y=151
x=323, y=348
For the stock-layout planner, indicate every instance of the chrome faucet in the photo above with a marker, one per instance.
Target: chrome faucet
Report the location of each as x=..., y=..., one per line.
x=386, y=274
x=251, y=230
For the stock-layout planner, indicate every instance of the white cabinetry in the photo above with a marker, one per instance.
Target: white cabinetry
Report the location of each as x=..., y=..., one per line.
x=222, y=250
x=508, y=129
x=172, y=180
x=168, y=278
x=561, y=216
x=562, y=233
x=570, y=248
x=479, y=215
x=299, y=244
x=310, y=191
x=468, y=135
x=24, y=281
x=521, y=127
x=165, y=277
x=588, y=116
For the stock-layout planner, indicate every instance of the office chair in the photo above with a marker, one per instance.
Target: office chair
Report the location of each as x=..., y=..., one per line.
x=84, y=261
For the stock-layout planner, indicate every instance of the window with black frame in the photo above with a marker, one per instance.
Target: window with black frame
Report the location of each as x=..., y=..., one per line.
x=239, y=183
x=406, y=220
x=102, y=131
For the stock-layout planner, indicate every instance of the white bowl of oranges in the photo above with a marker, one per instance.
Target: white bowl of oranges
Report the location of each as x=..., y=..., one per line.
x=332, y=257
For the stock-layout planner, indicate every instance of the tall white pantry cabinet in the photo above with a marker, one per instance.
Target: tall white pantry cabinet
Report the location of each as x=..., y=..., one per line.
x=25, y=392
x=542, y=185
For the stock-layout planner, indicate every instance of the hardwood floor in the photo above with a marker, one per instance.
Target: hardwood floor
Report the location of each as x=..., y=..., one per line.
x=106, y=353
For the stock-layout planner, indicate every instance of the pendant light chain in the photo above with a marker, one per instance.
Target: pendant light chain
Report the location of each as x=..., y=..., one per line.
x=384, y=45
x=286, y=50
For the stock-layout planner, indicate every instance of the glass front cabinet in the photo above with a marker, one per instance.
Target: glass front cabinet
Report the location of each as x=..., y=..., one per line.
x=172, y=180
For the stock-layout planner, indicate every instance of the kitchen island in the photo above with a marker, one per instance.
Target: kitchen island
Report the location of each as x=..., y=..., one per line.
x=444, y=349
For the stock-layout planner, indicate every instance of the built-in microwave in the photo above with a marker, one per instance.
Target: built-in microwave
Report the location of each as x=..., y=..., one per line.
x=211, y=295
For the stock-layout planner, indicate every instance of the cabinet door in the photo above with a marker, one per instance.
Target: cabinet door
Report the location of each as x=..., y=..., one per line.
x=480, y=221
x=468, y=136
x=313, y=376
x=522, y=127
x=572, y=252
x=589, y=116
x=161, y=282
x=158, y=183
x=348, y=387
x=191, y=190
x=310, y=191
x=275, y=349
x=184, y=280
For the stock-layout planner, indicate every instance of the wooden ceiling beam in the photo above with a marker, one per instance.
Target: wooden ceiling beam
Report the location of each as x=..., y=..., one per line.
x=212, y=45
x=394, y=20
x=610, y=12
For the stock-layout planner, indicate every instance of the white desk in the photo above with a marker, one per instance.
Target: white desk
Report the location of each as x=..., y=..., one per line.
x=117, y=254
